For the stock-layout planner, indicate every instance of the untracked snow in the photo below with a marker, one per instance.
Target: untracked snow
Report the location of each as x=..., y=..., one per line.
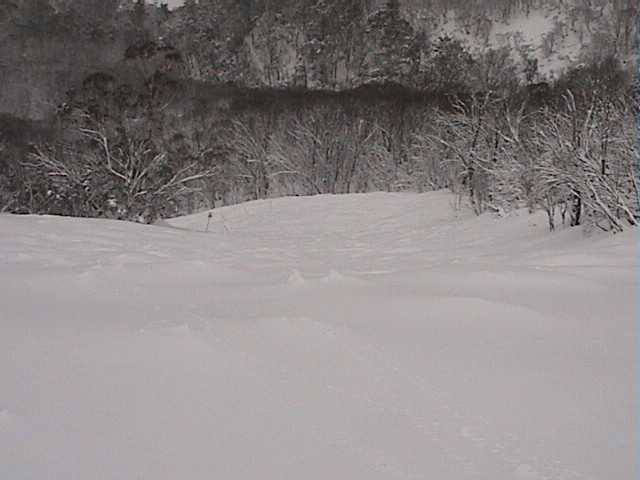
x=379, y=336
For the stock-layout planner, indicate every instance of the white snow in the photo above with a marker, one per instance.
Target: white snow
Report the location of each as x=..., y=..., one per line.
x=378, y=336
x=569, y=40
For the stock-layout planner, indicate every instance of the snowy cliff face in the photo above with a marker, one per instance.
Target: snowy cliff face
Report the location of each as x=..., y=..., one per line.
x=333, y=47
x=553, y=34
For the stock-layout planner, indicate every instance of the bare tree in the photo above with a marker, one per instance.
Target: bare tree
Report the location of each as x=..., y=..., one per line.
x=249, y=144
x=130, y=180
x=467, y=141
x=588, y=156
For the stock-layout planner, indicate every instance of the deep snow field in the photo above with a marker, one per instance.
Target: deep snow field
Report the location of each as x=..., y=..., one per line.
x=378, y=336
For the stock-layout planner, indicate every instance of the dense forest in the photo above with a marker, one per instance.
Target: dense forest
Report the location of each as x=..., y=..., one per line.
x=120, y=109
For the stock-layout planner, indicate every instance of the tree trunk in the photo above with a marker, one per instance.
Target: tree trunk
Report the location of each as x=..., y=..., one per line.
x=576, y=209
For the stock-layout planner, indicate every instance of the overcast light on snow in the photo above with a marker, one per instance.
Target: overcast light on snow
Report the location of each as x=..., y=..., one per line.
x=378, y=336
x=174, y=3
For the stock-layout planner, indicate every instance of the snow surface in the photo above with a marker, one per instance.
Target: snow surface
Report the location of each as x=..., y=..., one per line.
x=378, y=336
x=526, y=33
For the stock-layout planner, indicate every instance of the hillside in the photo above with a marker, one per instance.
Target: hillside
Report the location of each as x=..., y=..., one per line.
x=310, y=44
x=160, y=113
x=369, y=336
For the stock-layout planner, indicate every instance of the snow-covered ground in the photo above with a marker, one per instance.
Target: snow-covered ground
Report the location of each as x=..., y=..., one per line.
x=379, y=336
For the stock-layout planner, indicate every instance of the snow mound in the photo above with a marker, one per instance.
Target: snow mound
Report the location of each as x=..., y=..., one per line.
x=296, y=279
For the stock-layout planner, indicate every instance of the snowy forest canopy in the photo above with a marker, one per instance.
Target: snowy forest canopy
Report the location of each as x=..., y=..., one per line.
x=159, y=112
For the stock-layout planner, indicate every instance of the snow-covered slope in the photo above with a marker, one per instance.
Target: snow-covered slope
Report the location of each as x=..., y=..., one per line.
x=379, y=336
x=557, y=34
